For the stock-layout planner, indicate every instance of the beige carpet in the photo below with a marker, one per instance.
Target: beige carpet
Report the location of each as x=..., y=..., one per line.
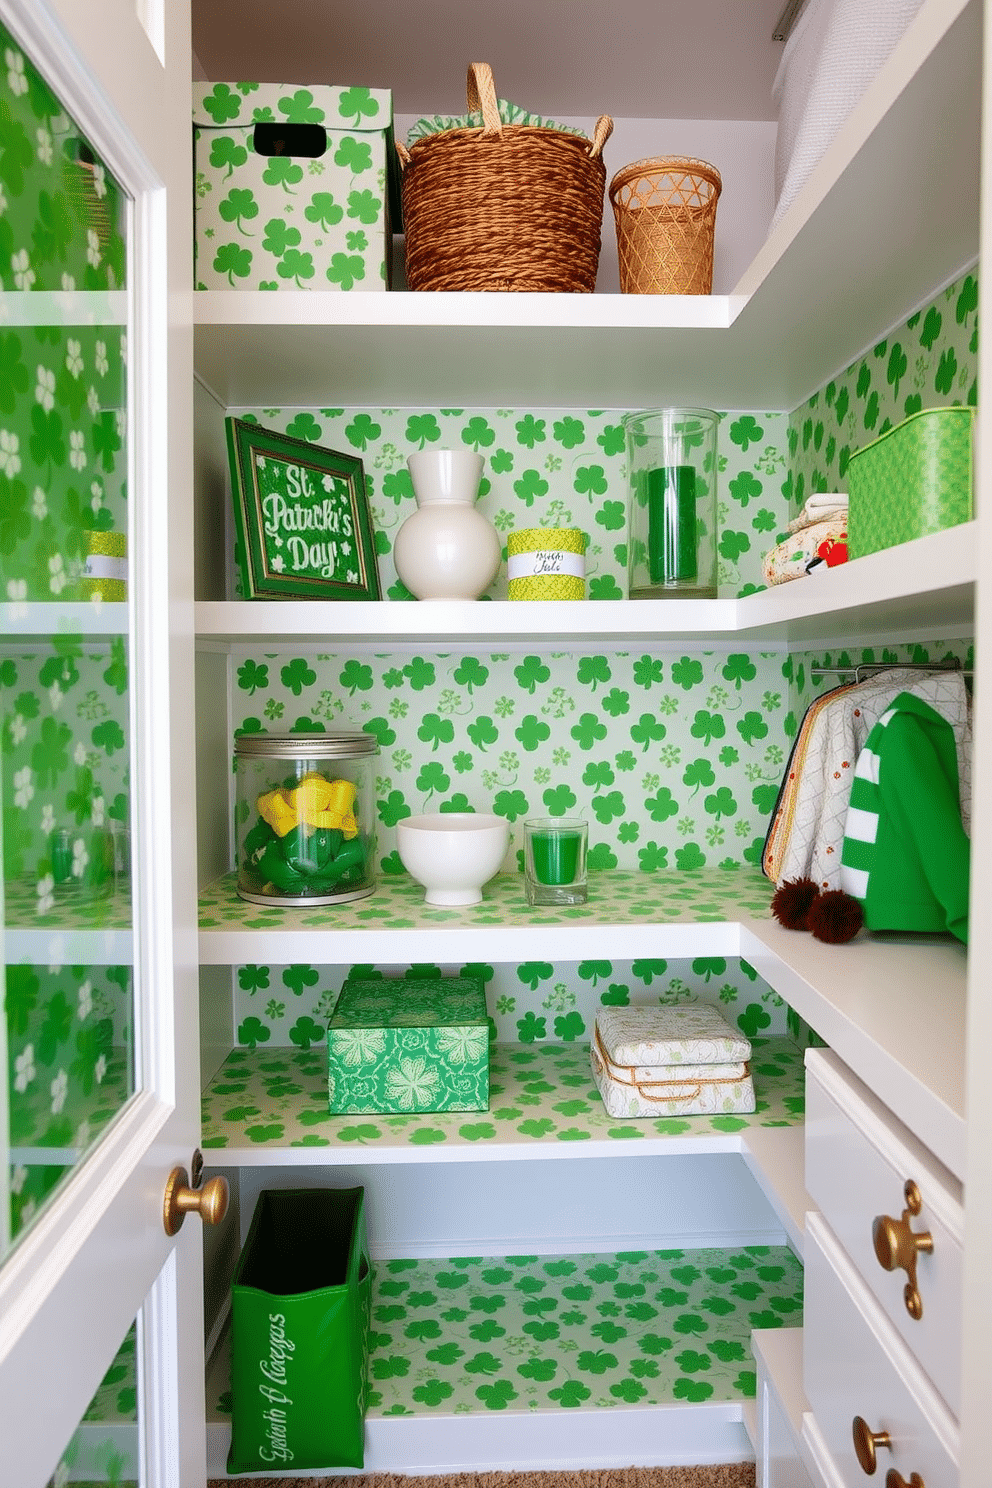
x=723, y=1475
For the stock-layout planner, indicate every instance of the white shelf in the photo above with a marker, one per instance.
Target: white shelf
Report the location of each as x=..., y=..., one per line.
x=876, y=1002
x=779, y=1354
x=877, y=598
x=75, y=930
x=775, y=1156
x=832, y=274
x=659, y=1421
x=871, y=1000
x=548, y=1441
x=79, y=618
x=528, y=1117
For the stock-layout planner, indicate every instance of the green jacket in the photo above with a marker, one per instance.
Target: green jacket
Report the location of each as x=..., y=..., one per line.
x=906, y=853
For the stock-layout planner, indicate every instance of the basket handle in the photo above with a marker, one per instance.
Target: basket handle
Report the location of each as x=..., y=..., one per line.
x=480, y=91
x=602, y=132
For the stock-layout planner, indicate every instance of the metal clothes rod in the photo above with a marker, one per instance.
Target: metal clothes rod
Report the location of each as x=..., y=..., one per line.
x=787, y=20
x=857, y=672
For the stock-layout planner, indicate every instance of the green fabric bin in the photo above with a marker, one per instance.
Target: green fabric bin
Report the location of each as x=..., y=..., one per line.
x=914, y=480
x=299, y=1333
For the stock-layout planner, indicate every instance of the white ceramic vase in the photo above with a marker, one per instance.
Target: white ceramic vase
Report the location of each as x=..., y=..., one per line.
x=446, y=549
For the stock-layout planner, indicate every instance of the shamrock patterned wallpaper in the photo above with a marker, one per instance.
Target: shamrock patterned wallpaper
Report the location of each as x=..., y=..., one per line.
x=675, y=756
x=930, y=362
x=553, y=468
x=535, y=1002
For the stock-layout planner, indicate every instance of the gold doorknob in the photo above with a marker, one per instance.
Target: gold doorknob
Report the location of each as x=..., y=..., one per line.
x=897, y=1246
x=867, y=1443
x=894, y=1479
x=209, y=1202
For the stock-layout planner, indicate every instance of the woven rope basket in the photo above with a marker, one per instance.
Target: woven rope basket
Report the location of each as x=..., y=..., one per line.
x=504, y=206
x=665, y=212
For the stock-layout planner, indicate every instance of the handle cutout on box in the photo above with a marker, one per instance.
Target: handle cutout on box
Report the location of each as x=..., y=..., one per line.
x=303, y=140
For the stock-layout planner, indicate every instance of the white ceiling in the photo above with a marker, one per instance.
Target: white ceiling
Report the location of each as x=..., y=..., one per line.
x=660, y=59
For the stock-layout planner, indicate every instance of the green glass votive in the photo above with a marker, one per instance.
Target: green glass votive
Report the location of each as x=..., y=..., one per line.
x=555, y=851
x=672, y=532
x=672, y=525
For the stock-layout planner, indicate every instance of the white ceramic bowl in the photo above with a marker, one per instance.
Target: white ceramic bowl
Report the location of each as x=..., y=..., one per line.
x=452, y=853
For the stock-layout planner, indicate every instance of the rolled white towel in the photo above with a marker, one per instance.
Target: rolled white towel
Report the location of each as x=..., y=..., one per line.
x=822, y=507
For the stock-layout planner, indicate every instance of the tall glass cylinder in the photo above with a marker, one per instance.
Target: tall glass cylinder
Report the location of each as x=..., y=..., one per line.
x=672, y=525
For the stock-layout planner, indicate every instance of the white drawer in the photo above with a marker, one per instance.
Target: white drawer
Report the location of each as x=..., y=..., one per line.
x=778, y=1355
x=859, y=1159
x=855, y=1365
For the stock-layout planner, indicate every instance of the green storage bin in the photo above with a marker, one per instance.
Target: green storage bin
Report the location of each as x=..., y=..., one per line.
x=299, y=1333
x=400, y=1045
x=913, y=480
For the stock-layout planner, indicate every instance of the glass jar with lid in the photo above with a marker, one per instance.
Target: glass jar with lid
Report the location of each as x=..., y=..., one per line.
x=305, y=817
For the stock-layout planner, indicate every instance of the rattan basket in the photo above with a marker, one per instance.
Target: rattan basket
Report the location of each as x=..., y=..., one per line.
x=503, y=206
x=665, y=212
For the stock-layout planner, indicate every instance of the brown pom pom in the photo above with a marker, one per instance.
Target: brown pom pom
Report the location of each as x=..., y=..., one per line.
x=835, y=917
x=792, y=902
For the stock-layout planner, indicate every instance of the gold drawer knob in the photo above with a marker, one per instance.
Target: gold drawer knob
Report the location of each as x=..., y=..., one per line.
x=897, y=1246
x=867, y=1443
x=895, y=1479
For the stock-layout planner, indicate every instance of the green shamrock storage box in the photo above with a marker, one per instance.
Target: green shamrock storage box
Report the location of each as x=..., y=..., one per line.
x=913, y=480
x=296, y=187
x=401, y=1045
x=300, y=1301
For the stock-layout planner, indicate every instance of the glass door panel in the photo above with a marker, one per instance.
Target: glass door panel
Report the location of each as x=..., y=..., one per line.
x=65, y=783
x=104, y=1451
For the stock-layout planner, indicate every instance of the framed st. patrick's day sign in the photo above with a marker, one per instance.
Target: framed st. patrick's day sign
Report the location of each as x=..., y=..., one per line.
x=302, y=516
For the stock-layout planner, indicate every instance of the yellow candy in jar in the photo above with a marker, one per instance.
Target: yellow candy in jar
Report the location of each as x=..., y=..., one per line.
x=311, y=798
x=275, y=808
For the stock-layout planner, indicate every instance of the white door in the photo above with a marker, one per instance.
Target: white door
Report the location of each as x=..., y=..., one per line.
x=98, y=926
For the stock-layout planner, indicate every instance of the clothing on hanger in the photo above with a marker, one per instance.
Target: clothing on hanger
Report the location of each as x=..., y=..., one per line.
x=905, y=854
x=806, y=831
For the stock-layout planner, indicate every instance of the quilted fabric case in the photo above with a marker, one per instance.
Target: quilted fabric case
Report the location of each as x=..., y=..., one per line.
x=663, y=1061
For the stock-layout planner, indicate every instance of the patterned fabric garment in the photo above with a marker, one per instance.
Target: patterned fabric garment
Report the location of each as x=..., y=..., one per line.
x=807, y=828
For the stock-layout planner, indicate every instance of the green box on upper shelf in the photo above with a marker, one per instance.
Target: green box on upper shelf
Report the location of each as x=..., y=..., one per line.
x=399, y=1045
x=296, y=187
x=914, y=480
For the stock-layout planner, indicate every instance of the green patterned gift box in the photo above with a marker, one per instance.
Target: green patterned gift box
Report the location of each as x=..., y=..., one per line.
x=409, y=1044
x=913, y=480
x=296, y=187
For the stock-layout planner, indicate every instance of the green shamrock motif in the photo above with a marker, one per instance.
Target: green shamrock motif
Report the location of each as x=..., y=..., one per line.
x=569, y=432
x=282, y=170
x=297, y=266
x=233, y=262
x=478, y=434
x=300, y=108
x=354, y=155
x=222, y=103
x=323, y=210
x=356, y=104
x=279, y=236
x=345, y=270
x=364, y=206
x=227, y=154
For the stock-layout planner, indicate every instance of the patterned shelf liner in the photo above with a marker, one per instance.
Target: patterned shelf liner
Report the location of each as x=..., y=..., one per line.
x=275, y=1100
x=548, y=1333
